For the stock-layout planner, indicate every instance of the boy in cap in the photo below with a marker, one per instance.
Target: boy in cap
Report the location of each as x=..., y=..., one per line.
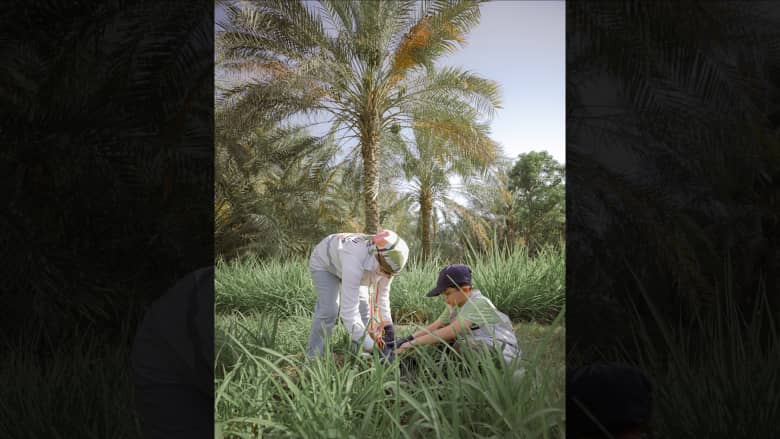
x=343, y=263
x=469, y=318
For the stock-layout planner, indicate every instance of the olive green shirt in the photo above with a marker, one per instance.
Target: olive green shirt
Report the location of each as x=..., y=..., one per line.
x=489, y=326
x=478, y=310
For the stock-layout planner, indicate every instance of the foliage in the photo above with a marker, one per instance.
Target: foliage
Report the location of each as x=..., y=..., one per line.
x=105, y=122
x=728, y=359
x=363, y=68
x=672, y=154
x=280, y=190
x=515, y=204
x=536, y=182
x=309, y=64
x=429, y=163
x=81, y=386
x=520, y=285
x=76, y=158
x=523, y=287
x=265, y=387
x=276, y=191
x=673, y=157
x=265, y=391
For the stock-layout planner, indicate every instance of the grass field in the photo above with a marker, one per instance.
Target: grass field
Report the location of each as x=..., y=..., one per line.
x=266, y=389
x=79, y=386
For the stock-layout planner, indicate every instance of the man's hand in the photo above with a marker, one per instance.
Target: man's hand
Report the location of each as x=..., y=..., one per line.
x=377, y=340
x=388, y=337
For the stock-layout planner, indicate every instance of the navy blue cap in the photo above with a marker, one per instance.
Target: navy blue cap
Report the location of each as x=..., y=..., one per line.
x=451, y=276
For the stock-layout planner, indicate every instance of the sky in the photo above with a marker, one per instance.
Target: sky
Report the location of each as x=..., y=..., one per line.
x=521, y=45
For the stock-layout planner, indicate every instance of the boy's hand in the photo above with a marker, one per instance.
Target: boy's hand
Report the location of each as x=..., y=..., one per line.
x=401, y=341
x=403, y=346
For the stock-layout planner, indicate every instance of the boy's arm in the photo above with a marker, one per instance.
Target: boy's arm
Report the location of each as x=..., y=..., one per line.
x=428, y=329
x=420, y=332
x=445, y=333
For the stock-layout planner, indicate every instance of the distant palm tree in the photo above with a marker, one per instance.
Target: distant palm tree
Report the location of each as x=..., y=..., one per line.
x=490, y=199
x=430, y=162
x=364, y=68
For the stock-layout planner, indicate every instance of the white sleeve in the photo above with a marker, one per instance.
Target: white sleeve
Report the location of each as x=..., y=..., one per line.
x=351, y=275
x=383, y=300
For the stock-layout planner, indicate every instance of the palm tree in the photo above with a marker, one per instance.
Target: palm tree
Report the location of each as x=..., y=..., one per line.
x=659, y=99
x=430, y=162
x=365, y=69
x=103, y=120
x=276, y=191
x=490, y=199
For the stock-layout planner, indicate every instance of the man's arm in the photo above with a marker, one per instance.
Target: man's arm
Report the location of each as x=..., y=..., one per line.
x=383, y=302
x=351, y=274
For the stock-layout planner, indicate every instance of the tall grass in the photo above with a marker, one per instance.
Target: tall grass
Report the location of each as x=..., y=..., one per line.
x=80, y=386
x=525, y=288
x=717, y=379
x=266, y=388
x=276, y=286
x=267, y=393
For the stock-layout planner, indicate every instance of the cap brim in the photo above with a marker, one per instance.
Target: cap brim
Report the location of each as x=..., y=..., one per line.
x=434, y=292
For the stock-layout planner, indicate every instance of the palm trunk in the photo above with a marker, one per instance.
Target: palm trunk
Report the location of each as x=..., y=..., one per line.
x=426, y=209
x=434, y=227
x=369, y=149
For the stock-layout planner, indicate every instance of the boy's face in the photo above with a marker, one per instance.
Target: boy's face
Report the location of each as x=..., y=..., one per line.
x=455, y=297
